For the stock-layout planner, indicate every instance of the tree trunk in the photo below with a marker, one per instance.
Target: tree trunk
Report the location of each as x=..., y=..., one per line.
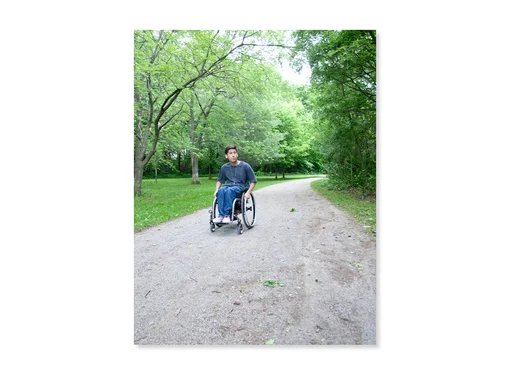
x=194, y=168
x=193, y=136
x=139, y=167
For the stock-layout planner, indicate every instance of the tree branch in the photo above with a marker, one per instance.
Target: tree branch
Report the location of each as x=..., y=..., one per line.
x=269, y=45
x=171, y=118
x=209, y=49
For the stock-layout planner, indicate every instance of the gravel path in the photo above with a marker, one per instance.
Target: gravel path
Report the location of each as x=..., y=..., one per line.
x=192, y=286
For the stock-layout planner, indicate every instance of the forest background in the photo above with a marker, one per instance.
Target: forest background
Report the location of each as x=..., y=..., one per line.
x=197, y=91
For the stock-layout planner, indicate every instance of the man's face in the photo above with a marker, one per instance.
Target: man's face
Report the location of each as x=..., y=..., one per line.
x=231, y=155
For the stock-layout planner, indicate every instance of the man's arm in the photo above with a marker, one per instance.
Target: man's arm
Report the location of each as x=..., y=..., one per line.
x=220, y=180
x=248, y=192
x=218, y=185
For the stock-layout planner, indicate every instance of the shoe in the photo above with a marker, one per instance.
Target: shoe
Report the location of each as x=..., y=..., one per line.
x=218, y=219
x=226, y=220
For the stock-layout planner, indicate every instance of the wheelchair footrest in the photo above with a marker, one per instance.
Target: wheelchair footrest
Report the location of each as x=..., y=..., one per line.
x=233, y=221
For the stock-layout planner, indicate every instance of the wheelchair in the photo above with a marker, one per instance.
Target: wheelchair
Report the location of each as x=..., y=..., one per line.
x=242, y=211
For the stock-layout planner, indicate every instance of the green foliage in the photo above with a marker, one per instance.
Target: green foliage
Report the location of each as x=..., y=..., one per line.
x=197, y=90
x=179, y=73
x=343, y=98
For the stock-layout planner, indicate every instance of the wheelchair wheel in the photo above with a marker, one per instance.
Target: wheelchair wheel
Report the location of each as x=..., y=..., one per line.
x=215, y=211
x=248, y=210
x=214, y=214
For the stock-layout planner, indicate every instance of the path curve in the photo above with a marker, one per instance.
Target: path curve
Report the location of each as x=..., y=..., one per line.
x=192, y=286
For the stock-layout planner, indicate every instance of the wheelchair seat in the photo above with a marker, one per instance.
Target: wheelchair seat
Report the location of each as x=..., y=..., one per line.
x=240, y=194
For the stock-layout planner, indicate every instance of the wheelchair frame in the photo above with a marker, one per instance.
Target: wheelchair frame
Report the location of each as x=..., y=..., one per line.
x=240, y=209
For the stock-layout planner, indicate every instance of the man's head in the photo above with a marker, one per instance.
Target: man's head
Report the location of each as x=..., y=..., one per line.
x=231, y=153
x=230, y=147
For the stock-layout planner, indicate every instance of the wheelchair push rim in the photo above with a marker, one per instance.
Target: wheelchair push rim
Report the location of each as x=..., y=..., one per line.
x=248, y=211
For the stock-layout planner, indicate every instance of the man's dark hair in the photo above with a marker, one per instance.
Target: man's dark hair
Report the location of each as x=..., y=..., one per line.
x=230, y=147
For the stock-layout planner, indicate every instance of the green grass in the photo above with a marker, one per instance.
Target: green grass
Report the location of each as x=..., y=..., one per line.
x=363, y=211
x=171, y=198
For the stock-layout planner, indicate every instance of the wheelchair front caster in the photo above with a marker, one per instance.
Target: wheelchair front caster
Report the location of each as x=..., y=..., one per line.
x=213, y=227
x=239, y=228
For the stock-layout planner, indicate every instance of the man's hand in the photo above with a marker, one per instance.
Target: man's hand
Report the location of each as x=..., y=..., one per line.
x=246, y=196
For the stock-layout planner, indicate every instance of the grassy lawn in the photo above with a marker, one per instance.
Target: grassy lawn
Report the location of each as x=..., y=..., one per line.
x=363, y=211
x=170, y=198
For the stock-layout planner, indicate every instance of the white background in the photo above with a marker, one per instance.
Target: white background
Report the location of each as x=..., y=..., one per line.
x=66, y=264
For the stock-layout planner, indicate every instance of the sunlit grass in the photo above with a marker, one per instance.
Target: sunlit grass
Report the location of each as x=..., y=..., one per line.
x=363, y=211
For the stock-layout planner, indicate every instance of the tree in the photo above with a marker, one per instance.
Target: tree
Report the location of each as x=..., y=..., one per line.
x=168, y=63
x=199, y=110
x=343, y=95
x=243, y=113
x=295, y=145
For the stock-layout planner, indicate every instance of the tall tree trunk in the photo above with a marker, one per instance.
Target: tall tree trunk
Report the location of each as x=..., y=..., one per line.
x=141, y=160
x=196, y=136
x=194, y=168
x=194, y=149
x=139, y=167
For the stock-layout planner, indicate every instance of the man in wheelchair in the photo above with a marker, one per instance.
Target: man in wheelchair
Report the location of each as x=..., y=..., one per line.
x=238, y=177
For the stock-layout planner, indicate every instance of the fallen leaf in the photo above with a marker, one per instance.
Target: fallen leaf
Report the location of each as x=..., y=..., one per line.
x=271, y=283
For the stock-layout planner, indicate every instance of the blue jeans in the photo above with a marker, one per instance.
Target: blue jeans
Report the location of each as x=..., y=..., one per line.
x=226, y=196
